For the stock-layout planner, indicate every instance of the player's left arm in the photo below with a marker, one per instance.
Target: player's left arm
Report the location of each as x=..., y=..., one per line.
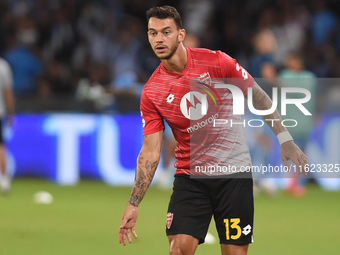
x=289, y=150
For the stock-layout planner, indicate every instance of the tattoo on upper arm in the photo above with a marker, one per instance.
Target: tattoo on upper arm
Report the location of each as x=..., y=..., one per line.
x=259, y=95
x=263, y=102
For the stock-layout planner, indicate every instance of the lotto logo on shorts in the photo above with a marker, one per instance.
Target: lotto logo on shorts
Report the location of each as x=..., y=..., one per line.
x=246, y=230
x=169, y=218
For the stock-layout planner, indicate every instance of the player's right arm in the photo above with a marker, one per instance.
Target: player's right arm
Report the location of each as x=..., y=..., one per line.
x=147, y=163
x=289, y=150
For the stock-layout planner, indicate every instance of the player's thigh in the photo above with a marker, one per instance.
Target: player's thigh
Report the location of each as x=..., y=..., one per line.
x=234, y=211
x=190, y=209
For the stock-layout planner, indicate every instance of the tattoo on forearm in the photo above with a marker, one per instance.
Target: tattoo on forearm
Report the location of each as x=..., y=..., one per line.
x=144, y=176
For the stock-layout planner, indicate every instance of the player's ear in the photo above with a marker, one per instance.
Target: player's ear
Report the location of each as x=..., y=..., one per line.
x=181, y=35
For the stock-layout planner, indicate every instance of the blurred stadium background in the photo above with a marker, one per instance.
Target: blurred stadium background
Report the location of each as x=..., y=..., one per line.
x=79, y=68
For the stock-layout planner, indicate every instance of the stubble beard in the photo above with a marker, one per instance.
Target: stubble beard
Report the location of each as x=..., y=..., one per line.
x=172, y=52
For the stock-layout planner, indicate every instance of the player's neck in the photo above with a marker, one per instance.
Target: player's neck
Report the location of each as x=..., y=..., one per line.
x=178, y=61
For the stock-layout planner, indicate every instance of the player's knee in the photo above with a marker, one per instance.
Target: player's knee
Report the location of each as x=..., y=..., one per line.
x=175, y=248
x=178, y=250
x=182, y=246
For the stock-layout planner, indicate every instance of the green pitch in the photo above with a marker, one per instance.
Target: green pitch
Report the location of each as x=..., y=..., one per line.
x=84, y=219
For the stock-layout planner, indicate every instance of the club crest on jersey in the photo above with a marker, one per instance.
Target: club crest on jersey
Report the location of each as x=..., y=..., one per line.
x=169, y=218
x=205, y=78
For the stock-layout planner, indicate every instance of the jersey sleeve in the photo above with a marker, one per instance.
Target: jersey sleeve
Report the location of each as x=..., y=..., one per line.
x=152, y=120
x=235, y=73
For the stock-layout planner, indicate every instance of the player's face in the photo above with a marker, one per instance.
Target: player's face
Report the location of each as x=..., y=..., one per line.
x=164, y=36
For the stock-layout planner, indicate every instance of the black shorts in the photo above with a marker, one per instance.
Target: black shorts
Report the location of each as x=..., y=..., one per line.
x=195, y=200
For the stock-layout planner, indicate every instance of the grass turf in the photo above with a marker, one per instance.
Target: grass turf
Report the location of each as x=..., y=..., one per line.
x=84, y=219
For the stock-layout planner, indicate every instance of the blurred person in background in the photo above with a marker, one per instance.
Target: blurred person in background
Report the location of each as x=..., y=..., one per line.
x=289, y=28
x=295, y=75
x=323, y=22
x=7, y=106
x=126, y=85
x=262, y=66
x=20, y=54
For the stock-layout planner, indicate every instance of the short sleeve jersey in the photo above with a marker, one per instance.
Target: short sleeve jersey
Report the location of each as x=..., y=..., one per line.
x=190, y=102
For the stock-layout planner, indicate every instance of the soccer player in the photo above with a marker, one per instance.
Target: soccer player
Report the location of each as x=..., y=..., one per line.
x=6, y=107
x=168, y=96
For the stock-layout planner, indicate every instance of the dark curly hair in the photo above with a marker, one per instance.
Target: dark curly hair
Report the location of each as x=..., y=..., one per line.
x=164, y=12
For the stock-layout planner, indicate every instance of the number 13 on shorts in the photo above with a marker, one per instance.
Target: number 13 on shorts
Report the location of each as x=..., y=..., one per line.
x=232, y=224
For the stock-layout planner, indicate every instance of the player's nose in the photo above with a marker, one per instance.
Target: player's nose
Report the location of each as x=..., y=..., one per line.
x=159, y=38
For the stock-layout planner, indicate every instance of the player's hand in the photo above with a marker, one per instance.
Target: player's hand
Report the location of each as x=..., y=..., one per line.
x=290, y=151
x=128, y=224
